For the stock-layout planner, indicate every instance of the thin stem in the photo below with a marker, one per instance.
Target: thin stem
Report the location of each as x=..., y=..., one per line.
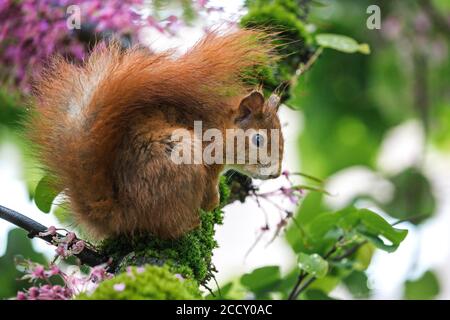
x=350, y=251
x=300, y=278
x=302, y=68
x=307, y=176
x=305, y=286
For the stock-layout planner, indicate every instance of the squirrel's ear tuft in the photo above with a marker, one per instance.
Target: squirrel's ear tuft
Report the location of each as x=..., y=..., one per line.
x=274, y=102
x=251, y=104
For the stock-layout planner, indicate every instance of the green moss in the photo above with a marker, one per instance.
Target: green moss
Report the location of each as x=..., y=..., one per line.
x=190, y=255
x=151, y=283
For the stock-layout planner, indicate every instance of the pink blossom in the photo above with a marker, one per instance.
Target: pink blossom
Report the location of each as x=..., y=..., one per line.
x=78, y=247
x=45, y=292
x=38, y=273
x=54, y=270
x=33, y=292
x=73, y=283
x=289, y=192
x=31, y=31
x=50, y=231
x=69, y=237
x=119, y=287
x=202, y=3
x=21, y=296
x=62, y=251
x=32, y=28
x=140, y=269
x=99, y=273
x=179, y=277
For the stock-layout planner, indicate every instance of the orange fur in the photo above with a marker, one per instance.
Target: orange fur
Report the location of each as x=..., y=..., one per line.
x=102, y=130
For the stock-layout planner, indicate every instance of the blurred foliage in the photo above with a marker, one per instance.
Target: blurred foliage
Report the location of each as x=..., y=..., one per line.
x=349, y=103
x=332, y=247
x=424, y=288
x=11, y=110
x=18, y=245
x=356, y=283
x=262, y=281
x=413, y=198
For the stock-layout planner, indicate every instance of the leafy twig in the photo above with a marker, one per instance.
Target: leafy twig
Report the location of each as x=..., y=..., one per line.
x=299, y=289
x=300, y=278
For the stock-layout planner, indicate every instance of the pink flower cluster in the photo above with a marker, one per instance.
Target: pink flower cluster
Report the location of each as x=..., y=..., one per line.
x=65, y=246
x=48, y=291
x=74, y=283
x=33, y=30
x=45, y=292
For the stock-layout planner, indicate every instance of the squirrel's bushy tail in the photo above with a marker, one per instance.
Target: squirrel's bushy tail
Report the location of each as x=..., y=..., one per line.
x=81, y=112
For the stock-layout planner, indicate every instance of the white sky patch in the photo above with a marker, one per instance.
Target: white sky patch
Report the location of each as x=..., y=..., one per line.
x=402, y=147
x=14, y=195
x=345, y=185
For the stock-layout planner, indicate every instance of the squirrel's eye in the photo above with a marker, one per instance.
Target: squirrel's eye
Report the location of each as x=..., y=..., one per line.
x=258, y=140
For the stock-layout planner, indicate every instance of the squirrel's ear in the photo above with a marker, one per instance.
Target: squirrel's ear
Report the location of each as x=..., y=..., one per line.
x=251, y=104
x=274, y=102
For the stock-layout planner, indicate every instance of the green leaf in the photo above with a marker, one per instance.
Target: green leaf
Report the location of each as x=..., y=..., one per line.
x=326, y=228
x=220, y=294
x=323, y=232
x=322, y=225
x=356, y=283
x=316, y=295
x=424, y=288
x=374, y=228
x=262, y=279
x=413, y=197
x=363, y=257
x=313, y=264
x=45, y=194
x=310, y=208
x=319, y=4
x=326, y=284
x=63, y=215
x=341, y=43
x=348, y=218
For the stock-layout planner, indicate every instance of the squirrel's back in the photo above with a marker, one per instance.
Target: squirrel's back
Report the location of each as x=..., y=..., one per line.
x=82, y=113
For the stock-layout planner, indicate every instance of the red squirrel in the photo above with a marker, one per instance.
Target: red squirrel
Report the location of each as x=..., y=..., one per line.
x=103, y=130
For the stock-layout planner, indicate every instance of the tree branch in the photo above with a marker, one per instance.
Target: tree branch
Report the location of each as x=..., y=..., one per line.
x=87, y=256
